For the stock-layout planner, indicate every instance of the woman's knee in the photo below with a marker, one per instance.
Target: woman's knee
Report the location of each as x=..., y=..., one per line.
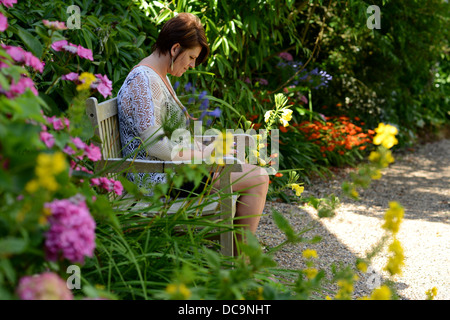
x=252, y=177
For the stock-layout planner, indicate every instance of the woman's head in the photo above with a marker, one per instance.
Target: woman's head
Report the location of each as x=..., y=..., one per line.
x=181, y=35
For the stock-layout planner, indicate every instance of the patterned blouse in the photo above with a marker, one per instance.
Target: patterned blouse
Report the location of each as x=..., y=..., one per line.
x=144, y=103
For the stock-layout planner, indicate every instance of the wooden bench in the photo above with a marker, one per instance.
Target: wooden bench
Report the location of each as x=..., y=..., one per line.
x=104, y=119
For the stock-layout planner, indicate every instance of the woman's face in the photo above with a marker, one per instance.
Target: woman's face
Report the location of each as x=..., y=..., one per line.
x=184, y=60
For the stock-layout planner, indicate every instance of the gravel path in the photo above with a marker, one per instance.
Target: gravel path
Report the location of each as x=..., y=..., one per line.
x=420, y=181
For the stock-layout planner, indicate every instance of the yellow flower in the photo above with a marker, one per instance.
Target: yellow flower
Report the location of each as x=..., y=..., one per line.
x=178, y=291
x=396, y=261
x=376, y=175
x=32, y=186
x=381, y=293
x=345, y=289
x=284, y=122
x=286, y=116
x=362, y=266
x=309, y=253
x=43, y=218
x=262, y=162
x=374, y=156
x=431, y=294
x=385, y=135
x=388, y=158
x=298, y=189
x=267, y=116
x=86, y=78
x=311, y=273
x=222, y=147
x=50, y=164
x=47, y=166
x=354, y=193
x=393, y=217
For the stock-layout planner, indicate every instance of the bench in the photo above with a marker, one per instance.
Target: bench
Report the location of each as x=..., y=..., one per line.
x=104, y=119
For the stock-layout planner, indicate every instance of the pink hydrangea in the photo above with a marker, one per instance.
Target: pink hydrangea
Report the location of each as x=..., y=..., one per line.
x=19, y=88
x=72, y=230
x=21, y=56
x=3, y=22
x=8, y=3
x=44, y=286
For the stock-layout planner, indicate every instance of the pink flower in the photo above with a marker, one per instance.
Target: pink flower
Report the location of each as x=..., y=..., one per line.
x=68, y=150
x=93, y=152
x=32, y=61
x=109, y=185
x=45, y=286
x=72, y=230
x=16, y=53
x=58, y=45
x=85, y=53
x=104, y=86
x=18, y=88
x=71, y=48
x=73, y=76
x=286, y=56
x=79, y=143
x=47, y=138
x=63, y=45
x=8, y=3
x=55, y=25
x=21, y=56
x=118, y=188
x=3, y=22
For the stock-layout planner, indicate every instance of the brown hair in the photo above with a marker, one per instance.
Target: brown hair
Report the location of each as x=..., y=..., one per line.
x=185, y=29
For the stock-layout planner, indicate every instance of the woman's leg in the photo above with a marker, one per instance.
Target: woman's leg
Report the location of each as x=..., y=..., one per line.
x=252, y=184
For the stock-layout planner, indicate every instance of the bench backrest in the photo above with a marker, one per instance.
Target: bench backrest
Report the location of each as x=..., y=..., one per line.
x=105, y=122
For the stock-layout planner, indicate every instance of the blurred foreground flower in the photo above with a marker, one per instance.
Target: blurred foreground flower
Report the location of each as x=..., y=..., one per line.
x=48, y=166
x=72, y=230
x=385, y=135
x=393, y=217
x=178, y=291
x=381, y=293
x=45, y=286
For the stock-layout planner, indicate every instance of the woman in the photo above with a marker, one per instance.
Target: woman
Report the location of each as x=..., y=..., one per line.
x=147, y=99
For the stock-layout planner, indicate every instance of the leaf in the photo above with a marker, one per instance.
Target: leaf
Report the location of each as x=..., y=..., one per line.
x=283, y=224
x=33, y=44
x=11, y=245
